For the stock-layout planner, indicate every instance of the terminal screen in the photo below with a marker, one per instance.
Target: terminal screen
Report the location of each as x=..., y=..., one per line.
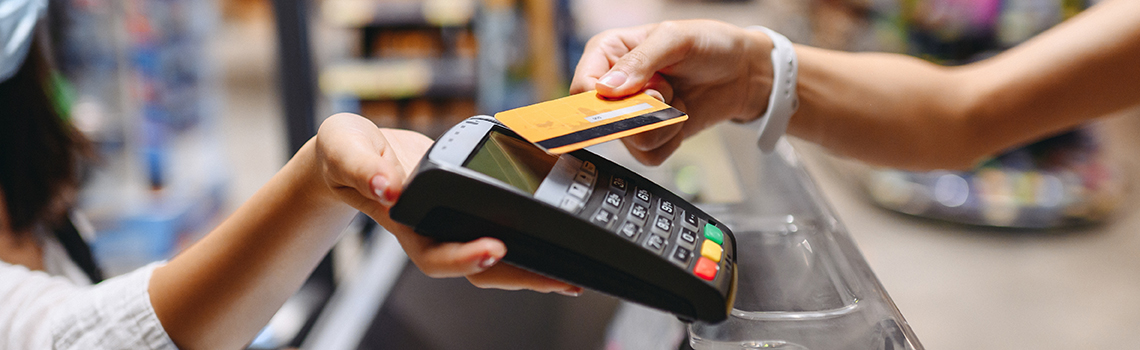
x=512, y=160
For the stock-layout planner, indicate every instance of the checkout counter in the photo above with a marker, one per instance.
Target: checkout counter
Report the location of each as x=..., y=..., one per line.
x=803, y=284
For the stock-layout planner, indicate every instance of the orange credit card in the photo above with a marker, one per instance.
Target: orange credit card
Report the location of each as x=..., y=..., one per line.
x=577, y=121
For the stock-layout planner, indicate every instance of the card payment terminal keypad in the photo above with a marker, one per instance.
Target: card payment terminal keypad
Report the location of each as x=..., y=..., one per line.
x=678, y=234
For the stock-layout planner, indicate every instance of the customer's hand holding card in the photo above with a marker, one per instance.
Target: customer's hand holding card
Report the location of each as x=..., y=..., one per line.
x=577, y=121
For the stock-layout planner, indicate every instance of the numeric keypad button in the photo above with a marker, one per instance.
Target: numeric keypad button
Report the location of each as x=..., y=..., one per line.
x=603, y=217
x=613, y=200
x=570, y=204
x=589, y=168
x=619, y=184
x=584, y=178
x=691, y=218
x=578, y=190
x=687, y=238
x=655, y=243
x=666, y=207
x=681, y=256
x=643, y=195
x=664, y=224
x=630, y=230
x=639, y=211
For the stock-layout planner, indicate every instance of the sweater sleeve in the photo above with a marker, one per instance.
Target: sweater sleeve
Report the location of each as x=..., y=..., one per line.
x=38, y=311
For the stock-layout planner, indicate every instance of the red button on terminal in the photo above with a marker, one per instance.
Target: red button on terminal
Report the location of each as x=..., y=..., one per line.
x=706, y=269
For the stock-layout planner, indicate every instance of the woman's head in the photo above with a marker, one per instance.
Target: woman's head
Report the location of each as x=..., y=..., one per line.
x=38, y=147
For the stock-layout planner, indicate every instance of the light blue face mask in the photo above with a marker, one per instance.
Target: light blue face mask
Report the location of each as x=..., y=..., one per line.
x=17, y=26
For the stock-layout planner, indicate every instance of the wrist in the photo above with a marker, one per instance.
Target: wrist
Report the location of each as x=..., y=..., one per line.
x=311, y=180
x=760, y=76
x=782, y=99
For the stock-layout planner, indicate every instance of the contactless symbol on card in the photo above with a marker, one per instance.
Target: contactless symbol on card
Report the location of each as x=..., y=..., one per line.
x=577, y=121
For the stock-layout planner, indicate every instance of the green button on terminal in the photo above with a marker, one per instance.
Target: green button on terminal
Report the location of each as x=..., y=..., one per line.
x=714, y=234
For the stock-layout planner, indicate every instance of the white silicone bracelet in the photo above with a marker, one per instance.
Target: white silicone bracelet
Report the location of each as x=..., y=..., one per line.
x=782, y=103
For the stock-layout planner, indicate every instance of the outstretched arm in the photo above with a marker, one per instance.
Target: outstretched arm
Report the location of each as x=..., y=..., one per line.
x=887, y=109
x=219, y=292
x=901, y=111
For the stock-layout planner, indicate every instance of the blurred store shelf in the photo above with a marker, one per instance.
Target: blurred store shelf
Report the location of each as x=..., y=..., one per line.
x=362, y=13
x=400, y=78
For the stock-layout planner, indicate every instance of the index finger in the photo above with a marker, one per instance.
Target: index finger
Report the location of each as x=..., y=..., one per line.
x=602, y=52
x=665, y=45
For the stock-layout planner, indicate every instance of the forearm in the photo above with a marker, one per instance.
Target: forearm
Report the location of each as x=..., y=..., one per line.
x=900, y=111
x=1084, y=68
x=219, y=292
x=886, y=109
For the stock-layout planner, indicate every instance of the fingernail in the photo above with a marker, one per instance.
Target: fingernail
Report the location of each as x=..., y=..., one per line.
x=655, y=94
x=613, y=79
x=380, y=188
x=487, y=262
x=571, y=292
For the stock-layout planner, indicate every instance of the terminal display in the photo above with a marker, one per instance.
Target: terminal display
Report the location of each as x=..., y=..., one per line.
x=511, y=160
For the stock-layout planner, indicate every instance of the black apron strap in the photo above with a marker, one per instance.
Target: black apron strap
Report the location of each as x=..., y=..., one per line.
x=78, y=250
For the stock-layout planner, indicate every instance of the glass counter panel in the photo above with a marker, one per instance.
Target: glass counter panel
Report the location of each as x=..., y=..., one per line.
x=802, y=284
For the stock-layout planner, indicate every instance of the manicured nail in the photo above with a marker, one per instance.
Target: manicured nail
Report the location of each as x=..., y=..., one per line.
x=613, y=79
x=380, y=188
x=487, y=262
x=571, y=292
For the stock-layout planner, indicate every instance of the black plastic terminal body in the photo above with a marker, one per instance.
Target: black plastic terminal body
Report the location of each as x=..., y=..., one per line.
x=450, y=206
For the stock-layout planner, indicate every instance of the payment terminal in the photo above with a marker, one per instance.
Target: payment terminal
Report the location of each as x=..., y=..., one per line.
x=576, y=217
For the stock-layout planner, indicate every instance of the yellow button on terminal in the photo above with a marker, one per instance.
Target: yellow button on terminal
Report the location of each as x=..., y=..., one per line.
x=711, y=250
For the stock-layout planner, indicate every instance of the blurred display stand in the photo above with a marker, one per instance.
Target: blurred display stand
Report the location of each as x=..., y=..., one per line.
x=1062, y=180
x=141, y=83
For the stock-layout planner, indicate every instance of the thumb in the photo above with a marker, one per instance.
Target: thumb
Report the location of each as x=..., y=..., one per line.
x=376, y=173
x=359, y=158
x=661, y=49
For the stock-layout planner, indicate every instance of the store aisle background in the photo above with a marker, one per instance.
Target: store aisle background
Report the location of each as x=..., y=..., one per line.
x=252, y=124
x=958, y=286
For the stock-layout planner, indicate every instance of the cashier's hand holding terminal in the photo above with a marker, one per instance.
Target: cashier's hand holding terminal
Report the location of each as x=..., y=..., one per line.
x=376, y=176
x=888, y=109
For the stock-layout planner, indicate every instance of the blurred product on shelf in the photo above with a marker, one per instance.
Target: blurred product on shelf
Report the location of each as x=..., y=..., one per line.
x=386, y=114
x=466, y=45
x=1060, y=181
x=408, y=44
x=360, y=13
x=141, y=79
x=1064, y=180
x=426, y=115
x=376, y=79
x=421, y=116
x=458, y=110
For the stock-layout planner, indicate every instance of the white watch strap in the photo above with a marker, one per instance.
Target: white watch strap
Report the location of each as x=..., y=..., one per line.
x=782, y=103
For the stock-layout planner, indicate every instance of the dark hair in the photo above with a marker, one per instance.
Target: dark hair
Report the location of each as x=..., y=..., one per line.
x=39, y=149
